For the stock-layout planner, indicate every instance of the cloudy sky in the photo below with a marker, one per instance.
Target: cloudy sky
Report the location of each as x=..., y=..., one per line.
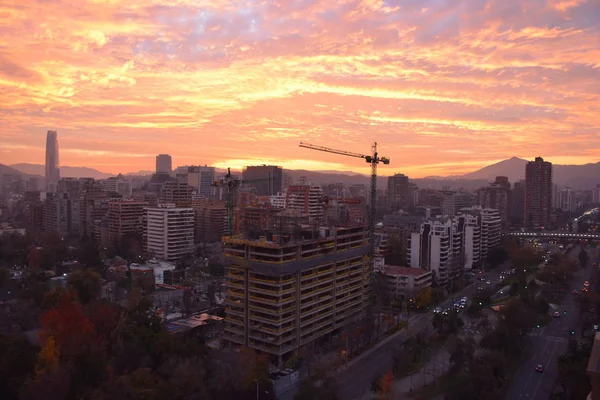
x=444, y=86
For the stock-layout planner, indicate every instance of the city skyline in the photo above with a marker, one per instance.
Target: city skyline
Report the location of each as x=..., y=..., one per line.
x=444, y=87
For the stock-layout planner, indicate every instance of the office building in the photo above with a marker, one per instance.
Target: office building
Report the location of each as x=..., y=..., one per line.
x=169, y=232
x=287, y=291
x=267, y=179
x=117, y=184
x=176, y=192
x=52, y=161
x=164, y=164
x=538, y=194
x=201, y=179
x=517, y=205
x=125, y=217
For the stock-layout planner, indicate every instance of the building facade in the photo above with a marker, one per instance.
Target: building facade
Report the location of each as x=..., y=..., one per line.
x=286, y=292
x=538, y=194
x=268, y=179
x=202, y=180
x=169, y=232
x=164, y=164
x=307, y=199
x=125, y=217
x=405, y=282
x=52, y=161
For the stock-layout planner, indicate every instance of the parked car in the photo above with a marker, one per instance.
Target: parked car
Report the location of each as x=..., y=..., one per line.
x=539, y=368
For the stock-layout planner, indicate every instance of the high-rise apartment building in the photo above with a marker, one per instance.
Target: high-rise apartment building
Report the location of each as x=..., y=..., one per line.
x=125, y=217
x=270, y=179
x=517, y=206
x=288, y=291
x=93, y=206
x=489, y=223
x=201, y=179
x=176, y=192
x=566, y=200
x=596, y=195
x=210, y=220
x=307, y=199
x=117, y=184
x=60, y=214
x=399, y=196
x=497, y=196
x=169, y=231
x=52, y=161
x=164, y=164
x=538, y=193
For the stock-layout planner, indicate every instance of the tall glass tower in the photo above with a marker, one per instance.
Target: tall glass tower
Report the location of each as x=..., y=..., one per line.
x=52, y=163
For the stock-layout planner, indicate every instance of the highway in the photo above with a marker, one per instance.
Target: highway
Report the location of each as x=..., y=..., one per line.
x=550, y=343
x=355, y=381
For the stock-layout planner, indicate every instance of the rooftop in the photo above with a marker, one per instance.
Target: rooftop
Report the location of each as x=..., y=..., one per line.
x=395, y=270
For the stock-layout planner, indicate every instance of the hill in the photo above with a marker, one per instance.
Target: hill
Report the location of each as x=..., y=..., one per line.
x=65, y=172
x=585, y=176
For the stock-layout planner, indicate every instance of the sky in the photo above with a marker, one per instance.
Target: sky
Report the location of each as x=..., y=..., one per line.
x=444, y=86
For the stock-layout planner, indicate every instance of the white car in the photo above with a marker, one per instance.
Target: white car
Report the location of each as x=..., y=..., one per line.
x=437, y=310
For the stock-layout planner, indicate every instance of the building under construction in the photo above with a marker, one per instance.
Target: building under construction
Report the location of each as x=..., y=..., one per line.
x=287, y=290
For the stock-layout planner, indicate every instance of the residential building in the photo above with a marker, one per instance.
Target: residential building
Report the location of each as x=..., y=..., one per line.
x=93, y=206
x=278, y=200
x=176, y=192
x=566, y=200
x=538, y=193
x=454, y=200
x=164, y=164
x=405, y=282
x=470, y=226
x=400, y=195
x=60, y=214
x=307, y=199
x=432, y=249
x=52, y=161
x=287, y=291
x=210, y=220
x=117, y=185
x=169, y=231
x=125, y=217
x=517, y=213
x=596, y=195
x=268, y=179
x=497, y=196
x=490, y=225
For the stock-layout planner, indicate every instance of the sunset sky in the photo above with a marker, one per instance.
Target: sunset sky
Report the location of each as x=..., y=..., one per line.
x=444, y=86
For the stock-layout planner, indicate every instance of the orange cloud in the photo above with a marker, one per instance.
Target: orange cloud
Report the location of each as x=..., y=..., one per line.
x=443, y=87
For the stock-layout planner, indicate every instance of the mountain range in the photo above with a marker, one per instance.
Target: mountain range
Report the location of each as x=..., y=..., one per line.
x=585, y=176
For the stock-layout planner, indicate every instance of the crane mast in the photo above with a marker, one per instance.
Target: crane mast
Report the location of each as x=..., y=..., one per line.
x=374, y=159
x=231, y=185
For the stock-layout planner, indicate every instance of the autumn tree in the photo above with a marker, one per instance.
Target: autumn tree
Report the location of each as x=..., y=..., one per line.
x=86, y=283
x=387, y=385
x=423, y=298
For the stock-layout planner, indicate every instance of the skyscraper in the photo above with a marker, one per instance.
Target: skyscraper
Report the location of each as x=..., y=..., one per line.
x=52, y=163
x=538, y=193
x=163, y=164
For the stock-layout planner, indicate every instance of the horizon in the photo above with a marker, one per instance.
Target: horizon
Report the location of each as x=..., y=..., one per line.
x=445, y=88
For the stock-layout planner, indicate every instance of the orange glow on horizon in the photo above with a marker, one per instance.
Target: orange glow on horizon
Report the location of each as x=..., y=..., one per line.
x=445, y=88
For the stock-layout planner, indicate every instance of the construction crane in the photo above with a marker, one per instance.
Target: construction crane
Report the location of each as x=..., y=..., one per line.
x=374, y=159
x=231, y=185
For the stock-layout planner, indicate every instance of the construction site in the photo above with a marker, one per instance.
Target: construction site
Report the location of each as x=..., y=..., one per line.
x=290, y=289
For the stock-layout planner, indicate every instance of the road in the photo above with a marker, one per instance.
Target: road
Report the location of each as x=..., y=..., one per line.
x=355, y=381
x=550, y=343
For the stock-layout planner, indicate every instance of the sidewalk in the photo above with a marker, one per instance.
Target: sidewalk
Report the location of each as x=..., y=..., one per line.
x=437, y=366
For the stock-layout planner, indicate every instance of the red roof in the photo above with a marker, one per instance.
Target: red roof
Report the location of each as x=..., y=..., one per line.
x=395, y=270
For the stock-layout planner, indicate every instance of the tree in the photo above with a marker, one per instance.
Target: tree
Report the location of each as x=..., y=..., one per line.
x=423, y=298
x=497, y=256
x=310, y=390
x=16, y=365
x=86, y=283
x=387, y=385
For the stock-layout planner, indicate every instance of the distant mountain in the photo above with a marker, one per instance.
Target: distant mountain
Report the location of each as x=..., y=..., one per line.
x=513, y=168
x=65, y=172
x=6, y=170
x=585, y=176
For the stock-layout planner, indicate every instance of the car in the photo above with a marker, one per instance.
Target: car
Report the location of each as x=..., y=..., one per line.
x=575, y=291
x=437, y=310
x=584, y=289
x=464, y=299
x=539, y=368
x=556, y=314
x=488, y=282
x=586, y=284
x=445, y=312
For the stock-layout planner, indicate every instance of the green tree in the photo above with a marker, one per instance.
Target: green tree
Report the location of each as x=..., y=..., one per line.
x=86, y=283
x=497, y=256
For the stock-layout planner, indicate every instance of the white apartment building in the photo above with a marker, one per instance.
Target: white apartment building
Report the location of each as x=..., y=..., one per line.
x=566, y=200
x=469, y=225
x=404, y=282
x=117, y=185
x=432, y=249
x=490, y=223
x=169, y=231
x=278, y=200
x=306, y=199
